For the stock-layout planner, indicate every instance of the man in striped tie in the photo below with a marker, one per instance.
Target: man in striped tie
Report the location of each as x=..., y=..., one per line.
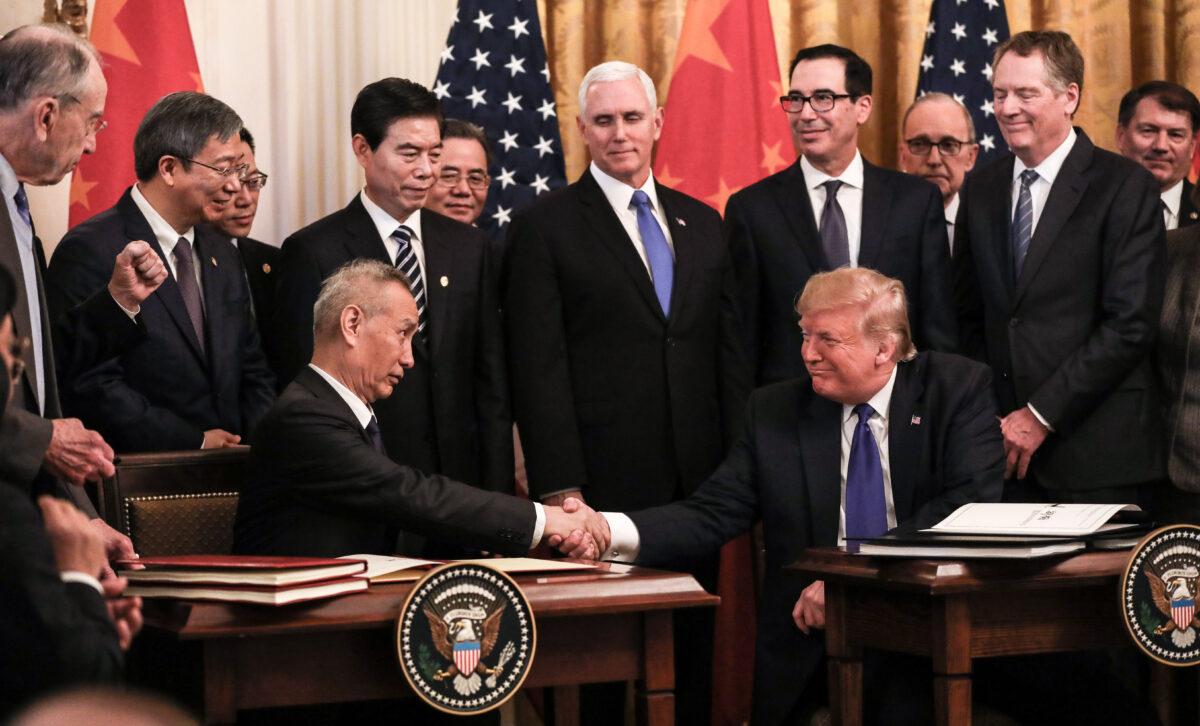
x=450, y=414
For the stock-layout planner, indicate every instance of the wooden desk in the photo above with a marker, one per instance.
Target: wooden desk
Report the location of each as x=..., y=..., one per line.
x=610, y=625
x=954, y=611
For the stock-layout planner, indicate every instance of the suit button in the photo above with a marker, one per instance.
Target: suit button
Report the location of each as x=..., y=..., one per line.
x=1004, y=375
x=1014, y=322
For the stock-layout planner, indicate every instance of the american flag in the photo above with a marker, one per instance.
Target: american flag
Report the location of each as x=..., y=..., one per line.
x=960, y=39
x=494, y=73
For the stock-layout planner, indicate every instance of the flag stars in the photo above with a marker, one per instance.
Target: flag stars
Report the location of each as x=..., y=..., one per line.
x=546, y=109
x=959, y=31
x=987, y=71
x=987, y=108
x=447, y=53
x=989, y=36
x=502, y=216
x=476, y=96
x=958, y=67
x=515, y=65
x=480, y=59
x=987, y=142
x=546, y=72
x=930, y=29
x=927, y=63
x=512, y=103
x=992, y=4
x=543, y=146
x=540, y=184
x=484, y=21
x=508, y=141
x=960, y=98
x=505, y=177
x=518, y=28
x=441, y=89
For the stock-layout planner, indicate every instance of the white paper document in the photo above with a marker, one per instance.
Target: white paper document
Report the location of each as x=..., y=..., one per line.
x=1061, y=520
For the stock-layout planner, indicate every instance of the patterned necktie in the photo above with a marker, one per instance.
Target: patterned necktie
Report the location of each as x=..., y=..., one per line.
x=406, y=262
x=1022, y=224
x=185, y=266
x=23, y=205
x=376, y=436
x=834, y=238
x=866, y=511
x=658, y=252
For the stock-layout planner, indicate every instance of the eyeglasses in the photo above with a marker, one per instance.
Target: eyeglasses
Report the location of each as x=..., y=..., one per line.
x=20, y=346
x=921, y=146
x=475, y=180
x=821, y=102
x=240, y=170
x=94, y=125
x=255, y=183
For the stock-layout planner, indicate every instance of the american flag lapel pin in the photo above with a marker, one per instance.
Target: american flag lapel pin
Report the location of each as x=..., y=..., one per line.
x=915, y=421
x=214, y=261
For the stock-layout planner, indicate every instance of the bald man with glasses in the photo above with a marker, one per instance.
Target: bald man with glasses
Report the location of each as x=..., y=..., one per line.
x=939, y=146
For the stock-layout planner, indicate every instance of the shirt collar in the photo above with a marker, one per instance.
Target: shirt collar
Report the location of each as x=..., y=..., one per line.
x=1052, y=164
x=1172, y=198
x=386, y=223
x=162, y=229
x=8, y=179
x=620, y=194
x=952, y=209
x=880, y=402
x=852, y=175
x=361, y=410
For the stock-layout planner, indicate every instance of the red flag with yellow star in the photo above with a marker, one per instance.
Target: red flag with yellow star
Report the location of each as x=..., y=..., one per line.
x=146, y=49
x=724, y=129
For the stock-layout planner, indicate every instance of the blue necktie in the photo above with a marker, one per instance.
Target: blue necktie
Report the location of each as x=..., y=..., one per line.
x=375, y=434
x=23, y=205
x=1022, y=224
x=658, y=252
x=866, y=511
x=406, y=262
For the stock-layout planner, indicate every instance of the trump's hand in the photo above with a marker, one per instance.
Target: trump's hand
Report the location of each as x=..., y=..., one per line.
x=809, y=612
x=577, y=530
x=1023, y=435
x=137, y=272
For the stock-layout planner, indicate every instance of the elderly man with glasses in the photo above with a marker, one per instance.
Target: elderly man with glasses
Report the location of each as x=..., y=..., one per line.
x=938, y=144
x=831, y=209
x=462, y=186
x=200, y=379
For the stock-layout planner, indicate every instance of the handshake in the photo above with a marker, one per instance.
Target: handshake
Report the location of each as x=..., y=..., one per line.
x=576, y=530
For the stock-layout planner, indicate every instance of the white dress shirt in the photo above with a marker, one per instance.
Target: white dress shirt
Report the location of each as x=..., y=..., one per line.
x=849, y=197
x=620, y=198
x=363, y=413
x=625, y=542
x=386, y=224
x=951, y=213
x=167, y=237
x=9, y=184
x=1171, y=200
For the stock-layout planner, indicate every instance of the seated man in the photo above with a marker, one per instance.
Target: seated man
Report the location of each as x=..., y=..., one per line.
x=321, y=483
x=905, y=436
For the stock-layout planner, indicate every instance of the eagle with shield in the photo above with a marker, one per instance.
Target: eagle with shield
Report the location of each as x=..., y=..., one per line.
x=456, y=635
x=1173, y=590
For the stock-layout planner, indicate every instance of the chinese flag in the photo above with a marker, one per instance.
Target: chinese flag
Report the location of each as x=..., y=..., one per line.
x=724, y=129
x=147, y=52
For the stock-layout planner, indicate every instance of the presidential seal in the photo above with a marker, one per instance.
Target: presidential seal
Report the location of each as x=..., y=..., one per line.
x=1158, y=595
x=466, y=638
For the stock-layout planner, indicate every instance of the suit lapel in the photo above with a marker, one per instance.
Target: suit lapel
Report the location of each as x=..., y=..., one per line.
x=685, y=251
x=363, y=240
x=439, y=264
x=601, y=220
x=50, y=407
x=998, y=213
x=905, y=418
x=791, y=196
x=213, y=279
x=10, y=258
x=876, y=206
x=319, y=387
x=1188, y=215
x=821, y=457
x=1064, y=196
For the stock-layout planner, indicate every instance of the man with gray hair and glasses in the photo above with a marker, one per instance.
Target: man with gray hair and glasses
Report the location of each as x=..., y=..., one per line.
x=938, y=145
x=200, y=380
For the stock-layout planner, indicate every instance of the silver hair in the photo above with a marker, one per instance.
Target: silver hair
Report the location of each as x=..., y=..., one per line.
x=615, y=71
x=939, y=96
x=355, y=283
x=43, y=60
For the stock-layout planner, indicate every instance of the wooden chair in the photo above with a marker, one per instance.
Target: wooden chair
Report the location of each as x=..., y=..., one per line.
x=175, y=503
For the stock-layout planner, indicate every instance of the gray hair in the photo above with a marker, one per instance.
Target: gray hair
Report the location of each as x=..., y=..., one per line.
x=939, y=96
x=615, y=71
x=355, y=283
x=179, y=125
x=43, y=60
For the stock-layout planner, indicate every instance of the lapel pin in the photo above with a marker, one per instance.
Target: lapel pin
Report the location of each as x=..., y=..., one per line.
x=1192, y=215
x=680, y=222
x=213, y=260
x=916, y=421
x=445, y=281
x=266, y=268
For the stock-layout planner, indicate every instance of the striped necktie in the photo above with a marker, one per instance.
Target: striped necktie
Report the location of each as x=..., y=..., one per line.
x=406, y=262
x=1022, y=226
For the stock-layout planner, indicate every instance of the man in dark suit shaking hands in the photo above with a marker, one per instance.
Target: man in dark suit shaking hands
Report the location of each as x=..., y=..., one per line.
x=831, y=209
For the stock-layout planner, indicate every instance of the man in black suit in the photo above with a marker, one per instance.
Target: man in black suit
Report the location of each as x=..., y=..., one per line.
x=321, y=481
x=451, y=415
x=200, y=379
x=830, y=209
x=259, y=259
x=1060, y=251
x=1156, y=127
x=910, y=437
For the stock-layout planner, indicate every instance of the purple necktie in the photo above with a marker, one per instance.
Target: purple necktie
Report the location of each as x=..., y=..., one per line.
x=376, y=435
x=23, y=205
x=185, y=265
x=834, y=238
x=658, y=252
x=866, y=512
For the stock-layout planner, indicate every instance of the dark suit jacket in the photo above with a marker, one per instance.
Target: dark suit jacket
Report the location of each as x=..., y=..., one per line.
x=611, y=397
x=1188, y=212
x=450, y=413
x=261, y=262
x=163, y=393
x=55, y=634
x=1179, y=358
x=784, y=470
x=317, y=487
x=773, y=237
x=1073, y=335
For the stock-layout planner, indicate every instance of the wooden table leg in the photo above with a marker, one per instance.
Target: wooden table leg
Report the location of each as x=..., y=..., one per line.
x=950, y=650
x=566, y=706
x=220, y=683
x=952, y=700
x=656, y=689
x=845, y=659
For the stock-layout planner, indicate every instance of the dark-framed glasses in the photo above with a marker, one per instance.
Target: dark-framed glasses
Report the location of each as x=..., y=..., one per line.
x=821, y=101
x=948, y=146
x=476, y=180
x=255, y=182
x=239, y=171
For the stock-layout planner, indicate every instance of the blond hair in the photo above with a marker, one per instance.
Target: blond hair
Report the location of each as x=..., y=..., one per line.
x=884, y=305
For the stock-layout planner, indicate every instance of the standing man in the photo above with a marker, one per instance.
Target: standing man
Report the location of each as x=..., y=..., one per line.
x=200, y=379
x=938, y=145
x=462, y=185
x=1156, y=127
x=1060, y=254
x=833, y=209
x=628, y=373
x=450, y=415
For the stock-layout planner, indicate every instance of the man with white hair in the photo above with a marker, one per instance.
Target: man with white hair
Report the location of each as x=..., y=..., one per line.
x=627, y=370
x=938, y=145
